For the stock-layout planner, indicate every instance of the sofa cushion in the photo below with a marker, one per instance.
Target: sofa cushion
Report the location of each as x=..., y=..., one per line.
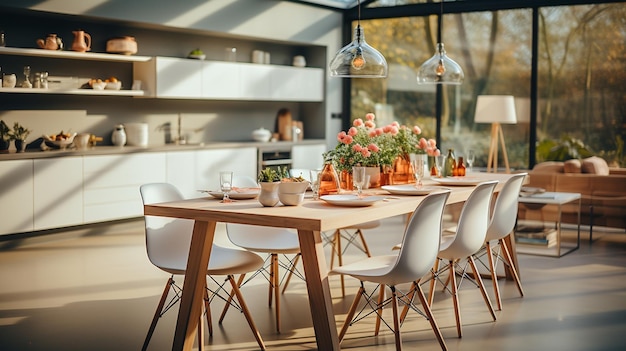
x=549, y=167
x=595, y=165
x=572, y=166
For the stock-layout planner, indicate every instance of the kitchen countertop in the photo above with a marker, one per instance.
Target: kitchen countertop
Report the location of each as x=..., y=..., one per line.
x=116, y=150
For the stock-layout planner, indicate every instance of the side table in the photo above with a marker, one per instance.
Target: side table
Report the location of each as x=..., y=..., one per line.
x=534, y=237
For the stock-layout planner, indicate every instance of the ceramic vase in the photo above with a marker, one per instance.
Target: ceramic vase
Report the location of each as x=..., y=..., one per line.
x=20, y=145
x=4, y=144
x=118, y=137
x=268, y=196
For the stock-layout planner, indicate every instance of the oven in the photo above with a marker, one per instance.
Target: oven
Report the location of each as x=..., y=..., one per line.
x=274, y=156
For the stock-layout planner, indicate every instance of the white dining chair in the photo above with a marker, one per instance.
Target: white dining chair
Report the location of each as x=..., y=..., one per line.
x=503, y=218
x=268, y=240
x=415, y=258
x=167, y=246
x=469, y=237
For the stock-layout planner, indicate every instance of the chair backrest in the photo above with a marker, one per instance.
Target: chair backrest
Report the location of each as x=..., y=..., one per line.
x=244, y=181
x=473, y=223
x=167, y=239
x=420, y=244
x=505, y=209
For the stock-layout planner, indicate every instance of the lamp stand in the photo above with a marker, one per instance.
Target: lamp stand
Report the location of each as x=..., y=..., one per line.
x=492, y=160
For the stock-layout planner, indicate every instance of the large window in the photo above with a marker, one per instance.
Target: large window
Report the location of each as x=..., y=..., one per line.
x=581, y=75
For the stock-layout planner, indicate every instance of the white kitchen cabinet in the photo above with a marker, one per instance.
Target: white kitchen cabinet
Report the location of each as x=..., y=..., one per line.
x=297, y=84
x=16, y=196
x=255, y=81
x=308, y=156
x=181, y=172
x=221, y=80
x=58, y=192
x=111, y=184
x=242, y=161
x=170, y=77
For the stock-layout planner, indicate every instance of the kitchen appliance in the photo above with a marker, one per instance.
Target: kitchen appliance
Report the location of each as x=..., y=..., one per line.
x=274, y=156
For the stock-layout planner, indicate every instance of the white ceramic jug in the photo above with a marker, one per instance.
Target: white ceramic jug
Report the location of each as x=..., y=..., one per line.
x=118, y=137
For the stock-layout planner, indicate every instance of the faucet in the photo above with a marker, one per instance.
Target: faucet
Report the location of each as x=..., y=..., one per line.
x=180, y=138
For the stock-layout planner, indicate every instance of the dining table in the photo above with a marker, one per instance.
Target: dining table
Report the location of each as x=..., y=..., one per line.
x=310, y=219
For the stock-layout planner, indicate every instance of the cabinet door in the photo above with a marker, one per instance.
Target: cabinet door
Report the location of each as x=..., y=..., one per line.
x=255, y=81
x=16, y=196
x=242, y=161
x=308, y=156
x=220, y=80
x=181, y=172
x=112, y=184
x=178, y=78
x=297, y=84
x=58, y=192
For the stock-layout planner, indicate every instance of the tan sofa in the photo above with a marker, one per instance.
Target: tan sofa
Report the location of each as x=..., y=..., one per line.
x=603, y=191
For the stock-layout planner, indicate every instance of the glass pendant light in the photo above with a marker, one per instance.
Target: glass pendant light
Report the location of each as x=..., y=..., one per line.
x=358, y=59
x=440, y=69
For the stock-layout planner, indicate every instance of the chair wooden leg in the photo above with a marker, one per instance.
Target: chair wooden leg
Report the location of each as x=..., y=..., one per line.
x=410, y=297
x=290, y=273
x=351, y=312
x=482, y=287
x=230, y=298
x=157, y=313
x=429, y=315
x=379, y=312
x=333, y=248
x=273, y=264
x=396, y=322
x=276, y=287
x=455, y=300
x=365, y=248
x=200, y=333
x=340, y=260
x=246, y=311
x=431, y=292
x=494, y=275
x=508, y=258
x=207, y=309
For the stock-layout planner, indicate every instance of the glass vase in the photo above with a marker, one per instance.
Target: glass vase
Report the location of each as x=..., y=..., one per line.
x=402, y=172
x=345, y=180
x=386, y=173
x=329, y=180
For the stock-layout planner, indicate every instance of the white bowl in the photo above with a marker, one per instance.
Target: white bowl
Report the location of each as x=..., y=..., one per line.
x=261, y=134
x=197, y=57
x=291, y=199
x=292, y=187
x=61, y=144
x=98, y=85
x=113, y=85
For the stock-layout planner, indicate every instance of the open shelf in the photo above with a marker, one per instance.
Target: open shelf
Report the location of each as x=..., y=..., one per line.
x=74, y=91
x=93, y=56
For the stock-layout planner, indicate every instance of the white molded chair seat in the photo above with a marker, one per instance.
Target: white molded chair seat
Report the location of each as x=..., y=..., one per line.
x=415, y=258
x=167, y=245
x=502, y=223
x=469, y=238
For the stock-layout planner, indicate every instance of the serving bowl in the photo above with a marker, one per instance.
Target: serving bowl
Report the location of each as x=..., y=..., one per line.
x=291, y=199
x=261, y=134
x=98, y=85
x=113, y=85
x=292, y=187
x=60, y=143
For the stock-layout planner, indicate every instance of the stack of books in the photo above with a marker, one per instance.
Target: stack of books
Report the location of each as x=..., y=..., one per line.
x=535, y=235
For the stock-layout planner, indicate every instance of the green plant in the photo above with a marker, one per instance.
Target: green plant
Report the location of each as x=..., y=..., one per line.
x=566, y=148
x=273, y=174
x=5, y=131
x=19, y=132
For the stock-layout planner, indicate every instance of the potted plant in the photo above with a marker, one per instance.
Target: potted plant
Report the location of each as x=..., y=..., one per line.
x=19, y=134
x=269, y=180
x=5, y=136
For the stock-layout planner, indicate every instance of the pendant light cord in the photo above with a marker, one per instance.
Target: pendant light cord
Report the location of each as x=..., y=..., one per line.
x=440, y=22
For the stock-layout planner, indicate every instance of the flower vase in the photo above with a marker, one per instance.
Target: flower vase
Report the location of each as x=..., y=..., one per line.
x=329, y=180
x=268, y=196
x=402, y=172
x=4, y=144
x=386, y=173
x=20, y=145
x=345, y=180
x=374, y=174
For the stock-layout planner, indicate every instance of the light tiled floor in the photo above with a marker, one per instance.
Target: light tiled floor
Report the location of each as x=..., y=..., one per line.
x=94, y=289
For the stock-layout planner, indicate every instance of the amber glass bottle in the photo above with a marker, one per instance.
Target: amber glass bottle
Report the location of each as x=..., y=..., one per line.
x=448, y=168
x=460, y=167
x=329, y=180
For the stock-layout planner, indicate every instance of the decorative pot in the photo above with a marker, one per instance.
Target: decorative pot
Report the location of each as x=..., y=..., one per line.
x=402, y=172
x=329, y=180
x=345, y=180
x=293, y=187
x=20, y=145
x=268, y=196
x=82, y=41
x=118, y=137
x=4, y=144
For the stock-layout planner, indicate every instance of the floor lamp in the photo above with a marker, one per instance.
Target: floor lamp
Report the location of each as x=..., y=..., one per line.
x=496, y=109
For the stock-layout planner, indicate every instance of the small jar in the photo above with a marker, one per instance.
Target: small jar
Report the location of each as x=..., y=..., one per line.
x=118, y=137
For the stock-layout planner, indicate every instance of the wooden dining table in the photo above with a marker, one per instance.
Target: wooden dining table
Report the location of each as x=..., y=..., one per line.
x=309, y=218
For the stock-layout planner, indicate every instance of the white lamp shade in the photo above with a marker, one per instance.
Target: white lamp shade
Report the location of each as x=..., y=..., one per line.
x=495, y=109
x=522, y=109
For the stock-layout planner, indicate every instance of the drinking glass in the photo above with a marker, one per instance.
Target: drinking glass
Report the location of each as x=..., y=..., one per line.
x=226, y=184
x=439, y=162
x=358, y=178
x=470, y=158
x=315, y=175
x=418, y=170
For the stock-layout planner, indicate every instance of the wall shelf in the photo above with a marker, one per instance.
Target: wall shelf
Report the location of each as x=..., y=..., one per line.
x=74, y=91
x=93, y=56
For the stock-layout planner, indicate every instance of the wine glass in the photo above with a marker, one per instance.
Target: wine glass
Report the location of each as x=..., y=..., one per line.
x=439, y=162
x=315, y=175
x=470, y=158
x=418, y=170
x=358, y=178
x=226, y=184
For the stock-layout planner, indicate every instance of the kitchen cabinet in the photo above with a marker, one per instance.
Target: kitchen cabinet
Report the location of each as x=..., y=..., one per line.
x=181, y=172
x=16, y=196
x=308, y=156
x=57, y=192
x=167, y=77
x=78, y=56
x=241, y=161
x=111, y=184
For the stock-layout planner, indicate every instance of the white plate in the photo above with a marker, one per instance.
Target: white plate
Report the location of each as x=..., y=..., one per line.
x=351, y=200
x=237, y=194
x=408, y=189
x=457, y=180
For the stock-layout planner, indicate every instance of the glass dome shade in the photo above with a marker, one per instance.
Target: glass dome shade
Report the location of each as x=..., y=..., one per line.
x=358, y=60
x=440, y=69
